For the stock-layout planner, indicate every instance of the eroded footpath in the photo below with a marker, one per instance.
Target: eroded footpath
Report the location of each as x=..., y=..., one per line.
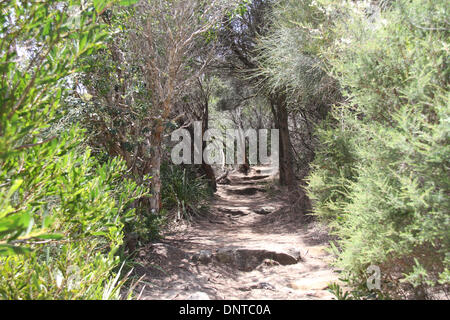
x=250, y=246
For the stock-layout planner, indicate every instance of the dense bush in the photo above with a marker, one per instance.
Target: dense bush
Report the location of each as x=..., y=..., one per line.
x=290, y=60
x=381, y=174
x=183, y=190
x=79, y=205
x=61, y=212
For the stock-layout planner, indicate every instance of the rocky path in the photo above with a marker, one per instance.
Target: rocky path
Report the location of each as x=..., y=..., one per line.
x=250, y=246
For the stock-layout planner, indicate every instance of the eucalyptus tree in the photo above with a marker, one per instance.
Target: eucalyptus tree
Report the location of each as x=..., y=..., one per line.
x=156, y=50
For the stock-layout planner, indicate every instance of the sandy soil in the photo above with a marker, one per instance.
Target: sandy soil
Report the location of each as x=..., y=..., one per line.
x=257, y=226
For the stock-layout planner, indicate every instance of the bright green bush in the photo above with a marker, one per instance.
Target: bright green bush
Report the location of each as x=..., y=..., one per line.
x=83, y=210
x=381, y=175
x=61, y=213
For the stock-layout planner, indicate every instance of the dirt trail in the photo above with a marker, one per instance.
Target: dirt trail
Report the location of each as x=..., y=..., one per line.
x=250, y=246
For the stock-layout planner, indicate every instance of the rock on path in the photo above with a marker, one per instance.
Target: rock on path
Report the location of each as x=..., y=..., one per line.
x=251, y=246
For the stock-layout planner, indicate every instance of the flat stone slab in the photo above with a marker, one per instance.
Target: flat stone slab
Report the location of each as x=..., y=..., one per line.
x=260, y=177
x=249, y=259
x=309, y=284
x=246, y=191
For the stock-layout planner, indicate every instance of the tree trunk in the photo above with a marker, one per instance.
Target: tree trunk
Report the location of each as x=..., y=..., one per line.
x=278, y=104
x=245, y=167
x=203, y=168
x=155, y=200
x=207, y=169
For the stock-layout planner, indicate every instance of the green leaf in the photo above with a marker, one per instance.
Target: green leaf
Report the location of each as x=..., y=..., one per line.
x=14, y=187
x=7, y=250
x=14, y=224
x=100, y=5
x=50, y=236
x=99, y=233
x=128, y=2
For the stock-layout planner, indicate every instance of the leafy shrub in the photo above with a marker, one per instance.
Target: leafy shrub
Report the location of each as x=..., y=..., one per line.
x=290, y=60
x=82, y=209
x=184, y=190
x=61, y=212
x=332, y=170
x=385, y=183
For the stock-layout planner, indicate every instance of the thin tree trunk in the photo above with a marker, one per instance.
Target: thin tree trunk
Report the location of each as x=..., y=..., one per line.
x=208, y=170
x=278, y=104
x=155, y=200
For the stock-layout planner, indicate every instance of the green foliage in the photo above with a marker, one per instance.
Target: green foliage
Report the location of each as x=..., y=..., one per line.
x=332, y=170
x=82, y=207
x=184, y=190
x=290, y=55
x=61, y=212
x=290, y=60
x=381, y=175
x=359, y=292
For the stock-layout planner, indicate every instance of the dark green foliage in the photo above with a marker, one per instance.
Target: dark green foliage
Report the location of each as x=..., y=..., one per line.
x=184, y=190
